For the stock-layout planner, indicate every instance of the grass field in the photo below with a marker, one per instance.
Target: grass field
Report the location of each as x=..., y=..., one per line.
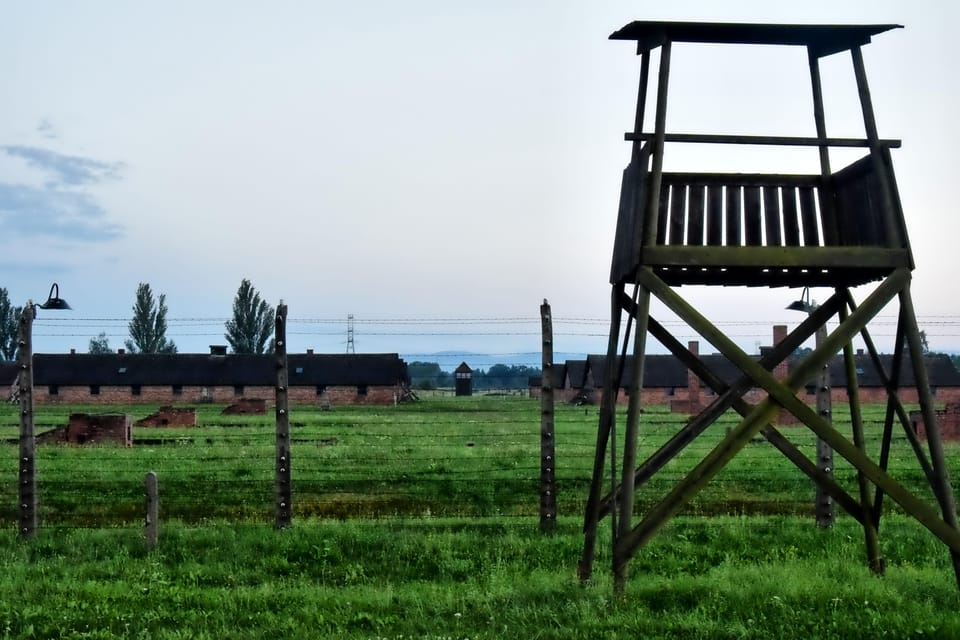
x=420, y=521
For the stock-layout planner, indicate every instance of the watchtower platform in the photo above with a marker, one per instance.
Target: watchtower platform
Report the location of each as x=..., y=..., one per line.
x=762, y=229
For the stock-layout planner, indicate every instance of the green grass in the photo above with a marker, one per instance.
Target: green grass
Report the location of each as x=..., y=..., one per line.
x=420, y=521
x=728, y=577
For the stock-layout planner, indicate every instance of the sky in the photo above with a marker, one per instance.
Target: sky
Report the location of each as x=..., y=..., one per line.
x=435, y=169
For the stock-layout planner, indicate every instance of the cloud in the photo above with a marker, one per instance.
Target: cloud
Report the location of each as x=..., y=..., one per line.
x=65, y=170
x=47, y=130
x=64, y=214
x=60, y=208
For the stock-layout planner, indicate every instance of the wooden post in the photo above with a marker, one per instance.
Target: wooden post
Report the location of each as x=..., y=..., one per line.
x=659, y=139
x=631, y=439
x=605, y=428
x=282, y=489
x=941, y=477
x=27, y=525
x=548, y=484
x=830, y=230
x=880, y=168
x=874, y=557
x=151, y=523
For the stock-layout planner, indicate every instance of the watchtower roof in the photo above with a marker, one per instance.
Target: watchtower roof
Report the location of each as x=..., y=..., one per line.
x=825, y=39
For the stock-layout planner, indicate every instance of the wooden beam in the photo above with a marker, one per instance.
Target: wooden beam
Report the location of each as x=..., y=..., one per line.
x=791, y=141
x=631, y=437
x=827, y=212
x=687, y=488
x=891, y=383
x=877, y=149
x=784, y=395
x=608, y=408
x=942, y=486
x=812, y=258
x=928, y=517
x=731, y=396
x=649, y=234
x=727, y=397
x=874, y=558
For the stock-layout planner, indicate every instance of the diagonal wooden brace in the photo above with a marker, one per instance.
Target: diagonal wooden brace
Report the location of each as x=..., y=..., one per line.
x=687, y=488
x=731, y=397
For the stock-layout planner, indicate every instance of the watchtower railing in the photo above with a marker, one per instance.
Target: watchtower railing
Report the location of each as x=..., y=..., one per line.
x=761, y=229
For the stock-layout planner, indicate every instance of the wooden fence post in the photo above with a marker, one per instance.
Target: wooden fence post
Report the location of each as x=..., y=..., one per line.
x=27, y=478
x=548, y=484
x=282, y=489
x=152, y=521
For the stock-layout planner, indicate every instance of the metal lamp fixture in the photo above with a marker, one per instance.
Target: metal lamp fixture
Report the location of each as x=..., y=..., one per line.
x=803, y=304
x=54, y=301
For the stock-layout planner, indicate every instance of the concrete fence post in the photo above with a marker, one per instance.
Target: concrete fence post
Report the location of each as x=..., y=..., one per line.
x=152, y=520
x=282, y=489
x=27, y=476
x=548, y=483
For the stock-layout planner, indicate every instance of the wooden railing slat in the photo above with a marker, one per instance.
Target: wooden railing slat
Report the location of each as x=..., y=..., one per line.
x=791, y=225
x=715, y=215
x=751, y=217
x=808, y=214
x=771, y=216
x=734, y=211
x=678, y=212
x=695, y=216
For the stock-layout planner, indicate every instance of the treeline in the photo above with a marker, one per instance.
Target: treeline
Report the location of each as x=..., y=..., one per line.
x=250, y=330
x=429, y=375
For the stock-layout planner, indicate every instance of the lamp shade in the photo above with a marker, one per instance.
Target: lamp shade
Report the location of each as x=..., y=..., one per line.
x=54, y=301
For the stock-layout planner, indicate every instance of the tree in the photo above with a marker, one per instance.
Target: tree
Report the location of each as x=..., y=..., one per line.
x=9, y=321
x=502, y=376
x=148, y=328
x=424, y=375
x=924, y=345
x=100, y=344
x=252, y=326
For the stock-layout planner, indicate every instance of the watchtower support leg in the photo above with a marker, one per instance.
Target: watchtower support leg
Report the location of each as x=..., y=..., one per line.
x=880, y=167
x=891, y=383
x=942, y=486
x=874, y=559
x=608, y=410
x=830, y=229
x=632, y=434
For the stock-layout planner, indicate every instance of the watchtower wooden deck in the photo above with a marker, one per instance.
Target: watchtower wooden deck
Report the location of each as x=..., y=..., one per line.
x=837, y=229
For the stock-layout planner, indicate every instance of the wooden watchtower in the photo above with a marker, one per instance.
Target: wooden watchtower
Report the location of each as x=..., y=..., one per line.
x=837, y=229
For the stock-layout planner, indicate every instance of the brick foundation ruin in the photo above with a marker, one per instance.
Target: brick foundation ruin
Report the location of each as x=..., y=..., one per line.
x=170, y=417
x=246, y=406
x=86, y=429
x=948, y=419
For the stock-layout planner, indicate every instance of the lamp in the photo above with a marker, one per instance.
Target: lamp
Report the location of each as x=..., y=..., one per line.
x=27, y=524
x=803, y=304
x=54, y=301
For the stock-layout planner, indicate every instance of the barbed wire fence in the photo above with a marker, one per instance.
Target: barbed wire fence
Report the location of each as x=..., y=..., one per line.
x=460, y=459
x=443, y=339
x=446, y=458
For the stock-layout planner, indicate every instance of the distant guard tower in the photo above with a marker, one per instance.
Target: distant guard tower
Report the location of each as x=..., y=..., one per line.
x=837, y=229
x=463, y=380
